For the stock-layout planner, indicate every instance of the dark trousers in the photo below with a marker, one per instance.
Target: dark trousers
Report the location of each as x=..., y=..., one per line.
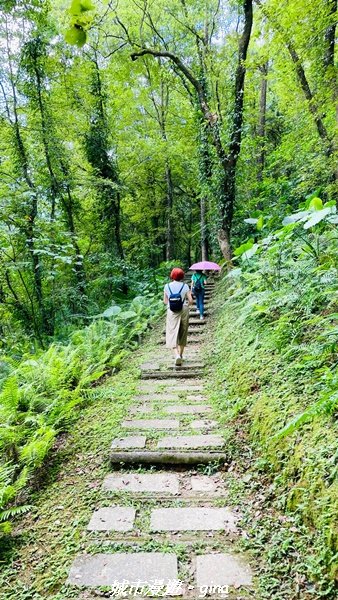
x=200, y=301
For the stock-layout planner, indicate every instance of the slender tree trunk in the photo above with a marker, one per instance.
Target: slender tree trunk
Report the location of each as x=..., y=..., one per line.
x=105, y=166
x=262, y=121
x=229, y=166
x=204, y=232
x=30, y=227
x=169, y=211
x=332, y=77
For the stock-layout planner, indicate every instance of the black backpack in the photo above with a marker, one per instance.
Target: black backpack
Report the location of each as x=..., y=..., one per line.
x=198, y=285
x=175, y=300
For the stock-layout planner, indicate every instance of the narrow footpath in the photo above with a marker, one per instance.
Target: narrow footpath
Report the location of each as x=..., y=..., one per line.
x=166, y=525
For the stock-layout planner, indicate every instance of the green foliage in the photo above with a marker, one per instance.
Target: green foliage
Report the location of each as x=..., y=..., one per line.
x=276, y=359
x=76, y=35
x=43, y=394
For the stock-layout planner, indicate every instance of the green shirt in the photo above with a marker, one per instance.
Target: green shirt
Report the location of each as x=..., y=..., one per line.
x=199, y=277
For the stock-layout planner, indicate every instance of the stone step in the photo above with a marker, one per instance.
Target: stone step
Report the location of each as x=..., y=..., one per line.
x=110, y=569
x=188, y=363
x=195, y=321
x=167, y=484
x=189, y=519
x=173, y=442
x=167, y=458
x=185, y=409
x=177, y=374
x=170, y=364
x=151, y=424
x=156, y=574
x=191, y=385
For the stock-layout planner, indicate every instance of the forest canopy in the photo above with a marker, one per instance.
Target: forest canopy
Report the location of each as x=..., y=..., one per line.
x=139, y=132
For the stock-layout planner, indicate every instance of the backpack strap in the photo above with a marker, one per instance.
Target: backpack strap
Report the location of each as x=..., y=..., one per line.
x=178, y=291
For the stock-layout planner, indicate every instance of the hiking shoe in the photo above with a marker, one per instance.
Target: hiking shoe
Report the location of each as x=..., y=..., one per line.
x=178, y=361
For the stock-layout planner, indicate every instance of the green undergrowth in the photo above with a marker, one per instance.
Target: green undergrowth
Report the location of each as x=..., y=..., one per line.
x=269, y=366
x=36, y=557
x=42, y=395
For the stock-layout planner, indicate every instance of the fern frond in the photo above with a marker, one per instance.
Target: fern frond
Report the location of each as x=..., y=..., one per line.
x=15, y=511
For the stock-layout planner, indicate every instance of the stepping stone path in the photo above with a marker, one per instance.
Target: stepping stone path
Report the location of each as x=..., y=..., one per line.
x=167, y=532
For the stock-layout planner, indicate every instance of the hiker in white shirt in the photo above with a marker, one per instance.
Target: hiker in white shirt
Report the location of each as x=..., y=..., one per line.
x=178, y=298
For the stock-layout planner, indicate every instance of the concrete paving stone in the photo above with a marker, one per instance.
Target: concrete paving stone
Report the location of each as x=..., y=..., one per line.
x=131, y=441
x=222, y=570
x=183, y=387
x=112, y=518
x=142, y=408
x=188, y=410
x=143, y=482
x=191, y=441
x=203, y=424
x=193, y=519
x=191, y=384
x=156, y=397
x=151, y=424
x=110, y=569
x=203, y=483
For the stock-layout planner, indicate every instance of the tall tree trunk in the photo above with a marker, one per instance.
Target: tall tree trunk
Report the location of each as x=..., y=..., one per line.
x=332, y=77
x=40, y=326
x=204, y=232
x=97, y=149
x=169, y=215
x=262, y=120
x=229, y=180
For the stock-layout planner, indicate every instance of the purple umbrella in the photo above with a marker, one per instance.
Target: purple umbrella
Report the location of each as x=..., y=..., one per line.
x=205, y=265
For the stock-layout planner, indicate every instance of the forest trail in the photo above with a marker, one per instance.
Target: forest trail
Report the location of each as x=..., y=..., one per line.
x=165, y=525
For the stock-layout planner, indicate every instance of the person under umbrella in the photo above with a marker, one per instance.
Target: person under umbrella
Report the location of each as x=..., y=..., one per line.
x=198, y=282
x=178, y=298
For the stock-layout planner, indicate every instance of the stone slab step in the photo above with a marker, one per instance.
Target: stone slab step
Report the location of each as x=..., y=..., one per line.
x=184, y=409
x=217, y=573
x=167, y=483
x=172, y=442
x=222, y=570
x=112, y=518
x=167, y=457
x=127, y=442
x=196, y=321
x=166, y=397
x=110, y=569
x=193, y=385
x=203, y=424
x=189, y=363
x=192, y=339
x=177, y=374
x=151, y=424
x=193, y=519
x=184, y=485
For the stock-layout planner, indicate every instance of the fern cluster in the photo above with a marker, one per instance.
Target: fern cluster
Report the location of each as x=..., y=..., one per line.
x=42, y=394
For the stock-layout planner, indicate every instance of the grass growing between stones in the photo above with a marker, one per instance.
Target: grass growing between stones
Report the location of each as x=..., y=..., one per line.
x=286, y=487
